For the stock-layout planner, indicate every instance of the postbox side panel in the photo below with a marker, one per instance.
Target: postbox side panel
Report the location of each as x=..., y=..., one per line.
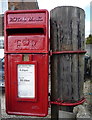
x=35, y=104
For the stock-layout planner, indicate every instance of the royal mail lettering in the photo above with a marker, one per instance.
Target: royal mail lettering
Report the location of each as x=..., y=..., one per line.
x=26, y=18
x=15, y=19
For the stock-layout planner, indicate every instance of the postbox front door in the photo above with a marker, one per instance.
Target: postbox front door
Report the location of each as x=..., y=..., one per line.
x=26, y=62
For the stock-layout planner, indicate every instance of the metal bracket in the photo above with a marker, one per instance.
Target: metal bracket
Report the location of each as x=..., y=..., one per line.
x=62, y=103
x=67, y=52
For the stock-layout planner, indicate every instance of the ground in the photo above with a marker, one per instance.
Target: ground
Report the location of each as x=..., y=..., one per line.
x=81, y=111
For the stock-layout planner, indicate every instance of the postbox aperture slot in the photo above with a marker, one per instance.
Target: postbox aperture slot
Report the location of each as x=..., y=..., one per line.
x=25, y=31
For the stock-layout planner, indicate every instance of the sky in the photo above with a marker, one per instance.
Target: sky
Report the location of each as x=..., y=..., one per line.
x=50, y=4
x=84, y=4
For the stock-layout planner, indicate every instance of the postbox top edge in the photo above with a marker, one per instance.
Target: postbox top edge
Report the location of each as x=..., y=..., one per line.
x=26, y=11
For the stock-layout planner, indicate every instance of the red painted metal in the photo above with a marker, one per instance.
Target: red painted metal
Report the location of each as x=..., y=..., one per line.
x=26, y=32
x=62, y=103
x=68, y=52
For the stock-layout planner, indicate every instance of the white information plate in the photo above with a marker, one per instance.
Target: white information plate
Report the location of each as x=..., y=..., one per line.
x=26, y=81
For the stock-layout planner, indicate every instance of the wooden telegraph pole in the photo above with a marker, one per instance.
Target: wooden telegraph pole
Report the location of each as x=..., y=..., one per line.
x=67, y=32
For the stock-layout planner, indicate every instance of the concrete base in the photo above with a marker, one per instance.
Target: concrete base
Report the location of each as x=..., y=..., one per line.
x=66, y=115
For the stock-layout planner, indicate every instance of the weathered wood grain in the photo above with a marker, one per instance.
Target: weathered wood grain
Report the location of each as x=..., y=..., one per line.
x=67, y=33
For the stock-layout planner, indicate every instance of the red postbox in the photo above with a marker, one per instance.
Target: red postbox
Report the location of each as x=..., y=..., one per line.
x=26, y=62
